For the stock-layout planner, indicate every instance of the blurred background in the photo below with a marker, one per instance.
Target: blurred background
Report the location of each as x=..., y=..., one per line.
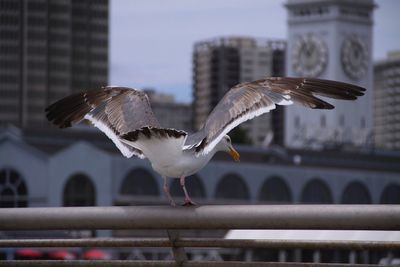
x=186, y=55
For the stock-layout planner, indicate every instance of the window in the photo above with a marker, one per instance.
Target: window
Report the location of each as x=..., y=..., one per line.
x=363, y=122
x=263, y=62
x=316, y=192
x=356, y=193
x=13, y=190
x=79, y=191
x=139, y=182
x=341, y=120
x=323, y=121
x=297, y=122
x=275, y=190
x=232, y=186
x=248, y=62
x=193, y=185
x=391, y=194
x=247, y=71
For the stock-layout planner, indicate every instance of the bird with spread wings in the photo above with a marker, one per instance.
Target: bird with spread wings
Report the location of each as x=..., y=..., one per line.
x=125, y=116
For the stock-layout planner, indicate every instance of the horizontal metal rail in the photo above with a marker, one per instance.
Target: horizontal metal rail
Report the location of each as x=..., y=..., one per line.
x=335, y=217
x=130, y=263
x=203, y=243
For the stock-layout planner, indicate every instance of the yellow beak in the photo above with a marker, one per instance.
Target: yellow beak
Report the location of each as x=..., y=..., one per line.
x=234, y=154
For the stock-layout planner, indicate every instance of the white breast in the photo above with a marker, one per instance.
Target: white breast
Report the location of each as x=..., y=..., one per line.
x=163, y=152
x=184, y=165
x=167, y=157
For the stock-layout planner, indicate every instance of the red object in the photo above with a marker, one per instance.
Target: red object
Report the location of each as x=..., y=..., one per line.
x=95, y=254
x=62, y=255
x=29, y=253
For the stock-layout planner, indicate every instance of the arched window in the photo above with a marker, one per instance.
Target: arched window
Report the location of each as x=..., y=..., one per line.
x=232, y=186
x=193, y=184
x=356, y=193
x=13, y=189
x=391, y=194
x=139, y=182
x=316, y=192
x=79, y=191
x=275, y=190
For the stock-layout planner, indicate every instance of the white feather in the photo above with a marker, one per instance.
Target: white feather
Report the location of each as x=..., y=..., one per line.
x=279, y=99
x=110, y=134
x=285, y=102
x=248, y=116
x=187, y=147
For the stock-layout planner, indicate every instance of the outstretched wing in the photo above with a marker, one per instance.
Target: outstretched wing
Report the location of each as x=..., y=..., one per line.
x=114, y=110
x=248, y=100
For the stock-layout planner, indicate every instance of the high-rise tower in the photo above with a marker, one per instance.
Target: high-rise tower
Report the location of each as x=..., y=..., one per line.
x=331, y=39
x=49, y=49
x=387, y=102
x=221, y=63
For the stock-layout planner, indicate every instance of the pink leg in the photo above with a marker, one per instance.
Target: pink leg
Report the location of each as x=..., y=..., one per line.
x=167, y=193
x=188, y=200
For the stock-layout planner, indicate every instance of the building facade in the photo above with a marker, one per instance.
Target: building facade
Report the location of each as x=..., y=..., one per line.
x=41, y=167
x=81, y=167
x=331, y=39
x=222, y=63
x=387, y=102
x=49, y=49
x=170, y=113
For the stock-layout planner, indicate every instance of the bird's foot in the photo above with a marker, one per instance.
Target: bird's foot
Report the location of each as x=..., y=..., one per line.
x=188, y=203
x=172, y=203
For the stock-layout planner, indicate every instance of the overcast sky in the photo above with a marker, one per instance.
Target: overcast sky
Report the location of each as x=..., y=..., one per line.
x=151, y=41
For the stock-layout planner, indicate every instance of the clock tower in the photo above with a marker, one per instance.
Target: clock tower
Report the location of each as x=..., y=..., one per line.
x=330, y=39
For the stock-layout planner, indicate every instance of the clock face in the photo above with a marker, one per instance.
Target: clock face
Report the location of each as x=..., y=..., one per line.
x=354, y=57
x=309, y=56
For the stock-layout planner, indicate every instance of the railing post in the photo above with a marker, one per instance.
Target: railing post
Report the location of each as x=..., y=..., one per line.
x=179, y=252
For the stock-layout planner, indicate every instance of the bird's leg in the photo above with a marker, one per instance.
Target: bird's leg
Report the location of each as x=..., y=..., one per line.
x=188, y=201
x=167, y=193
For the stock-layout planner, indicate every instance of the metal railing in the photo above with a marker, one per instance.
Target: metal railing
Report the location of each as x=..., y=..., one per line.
x=172, y=219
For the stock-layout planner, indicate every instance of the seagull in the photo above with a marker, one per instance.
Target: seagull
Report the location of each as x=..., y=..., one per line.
x=125, y=116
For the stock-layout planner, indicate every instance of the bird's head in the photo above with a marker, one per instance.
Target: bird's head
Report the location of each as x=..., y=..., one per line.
x=226, y=145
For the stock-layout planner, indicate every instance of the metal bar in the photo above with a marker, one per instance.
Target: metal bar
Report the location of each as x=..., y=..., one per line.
x=271, y=264
x=119, y=263
x=289, y=244
x=344, y=217
x=83, y=263
x=86, y=242
x=179, y=252
x=203, y=243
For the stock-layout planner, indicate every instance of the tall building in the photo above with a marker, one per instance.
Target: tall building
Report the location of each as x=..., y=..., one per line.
x=170, y=113
x=331, y=39
x=221, y=63
x=49, y=49
x=387, y=102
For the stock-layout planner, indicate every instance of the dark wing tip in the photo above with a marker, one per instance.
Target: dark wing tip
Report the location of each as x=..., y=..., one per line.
x=306, y=90
x=67, y=111
x=328, y=106
x=335, y=89
x=72, y=109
